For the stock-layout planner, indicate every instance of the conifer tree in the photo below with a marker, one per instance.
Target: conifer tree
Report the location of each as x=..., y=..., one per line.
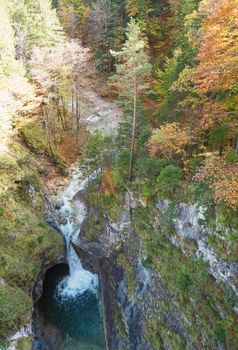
x=132, y=69
x=105, y=30
x=35, y=24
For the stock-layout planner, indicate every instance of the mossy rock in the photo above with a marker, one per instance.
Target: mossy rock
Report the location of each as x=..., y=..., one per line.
x=93, y=226
x=129, y=271
x=27, y=242
x=34, y=136
x=226, y=249
x=119, y=321
x=15, y=309
x=160, y=336
x=24, y=344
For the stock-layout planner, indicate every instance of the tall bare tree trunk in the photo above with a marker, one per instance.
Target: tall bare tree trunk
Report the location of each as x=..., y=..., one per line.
x=60, y=116
x=77, y=108
x=72, y=103
x=47, y=132
x=236, y=146
x=133, y=127
x=64, y=111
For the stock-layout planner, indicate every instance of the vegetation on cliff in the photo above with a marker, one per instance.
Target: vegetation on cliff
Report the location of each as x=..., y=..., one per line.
x=28, y=243
x=172, y=68
x=184, y=147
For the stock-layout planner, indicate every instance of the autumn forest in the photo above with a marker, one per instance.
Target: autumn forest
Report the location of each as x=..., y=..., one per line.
x=137, y=100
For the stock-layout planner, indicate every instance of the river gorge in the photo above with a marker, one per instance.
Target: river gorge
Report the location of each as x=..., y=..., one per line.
x=118, y=175
x=70, y=302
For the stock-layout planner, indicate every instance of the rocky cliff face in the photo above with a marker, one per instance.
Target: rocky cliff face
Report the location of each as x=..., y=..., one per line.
x=189, y=223
x=28, y=245
x=163, y=285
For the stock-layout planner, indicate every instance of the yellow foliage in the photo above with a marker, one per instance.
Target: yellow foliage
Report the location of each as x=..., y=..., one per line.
x=218, y=54
x=170, y=141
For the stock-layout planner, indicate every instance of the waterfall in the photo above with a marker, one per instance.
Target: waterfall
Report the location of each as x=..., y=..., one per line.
x=74, y=210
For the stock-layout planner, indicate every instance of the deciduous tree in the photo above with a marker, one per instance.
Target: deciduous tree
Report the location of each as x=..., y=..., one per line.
x=170, y=142
x=218, y=59
x=221, y=176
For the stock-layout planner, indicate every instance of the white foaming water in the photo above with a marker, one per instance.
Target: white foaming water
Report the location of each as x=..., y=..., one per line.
x=74, y=211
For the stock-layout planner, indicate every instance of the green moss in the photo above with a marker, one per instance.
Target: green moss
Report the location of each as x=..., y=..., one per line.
x=152, y=334
x=159, y=336
x=24, y=344
x=190, y=246
x=34, y=137
x=207, y=306
x=143, y=219
x=93, y=227
x=100, y=204
x=119, y=321
x=15, y=308
x=226, y=247
x=112, y=205
x=27, y=241
x=4, y=343
x=130, y=272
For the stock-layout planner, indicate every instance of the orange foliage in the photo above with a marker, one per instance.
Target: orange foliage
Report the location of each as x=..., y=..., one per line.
x=222, y=179
x=218, y=56
x=107, y=183
x=170, y=141
x=212, y=114
x=132, y=9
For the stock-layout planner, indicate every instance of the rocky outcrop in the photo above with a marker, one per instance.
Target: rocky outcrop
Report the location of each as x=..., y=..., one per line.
x=189, y=223
x=133, y=294
x=129, y=302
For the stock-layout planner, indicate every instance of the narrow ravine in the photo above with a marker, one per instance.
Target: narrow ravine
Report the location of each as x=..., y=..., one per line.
x=71, y=299
x=70, y=310
x=73, y=213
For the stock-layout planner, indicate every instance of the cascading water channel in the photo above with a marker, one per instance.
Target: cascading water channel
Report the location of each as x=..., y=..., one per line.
x=70, y=305
x=74, y=211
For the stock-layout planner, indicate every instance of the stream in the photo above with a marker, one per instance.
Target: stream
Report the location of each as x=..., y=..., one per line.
x=70, y=310
x=70, y=307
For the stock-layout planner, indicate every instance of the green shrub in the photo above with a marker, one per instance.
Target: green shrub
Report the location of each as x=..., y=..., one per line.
x=150, y=167
x=227, y=217
x=15, y=309
x=40, y=239
x=144, y=137
x=31, y=179
x=219, y=333
x=231, y=155
x=122, y=162
x=147, y=263
x=169, y=181
x=183, y=282
x=97, y=152
x=199, y=190
x=112, y=205
x=2, y=211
